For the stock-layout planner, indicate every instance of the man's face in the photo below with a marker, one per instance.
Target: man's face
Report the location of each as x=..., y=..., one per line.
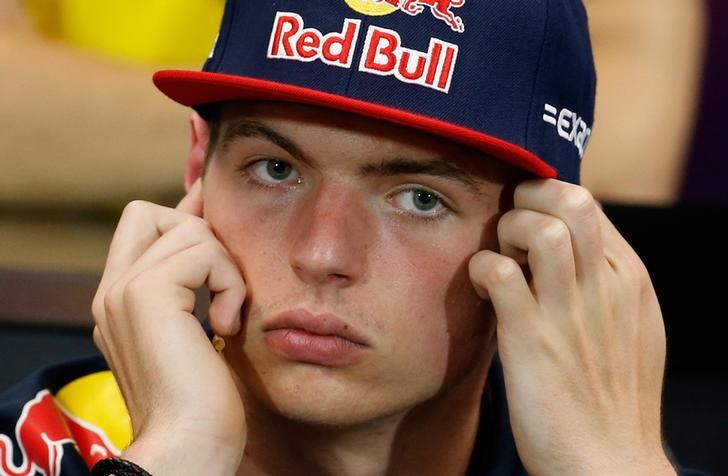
x=353, y=237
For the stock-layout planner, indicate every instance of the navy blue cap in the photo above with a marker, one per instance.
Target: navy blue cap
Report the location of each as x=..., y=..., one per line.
x=513, y=78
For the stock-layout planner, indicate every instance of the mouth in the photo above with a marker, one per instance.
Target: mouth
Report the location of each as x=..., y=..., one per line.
x=322, y=339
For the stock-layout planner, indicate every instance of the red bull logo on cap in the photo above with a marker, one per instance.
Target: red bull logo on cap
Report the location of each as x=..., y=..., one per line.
x=440, y=9
x=384, y=53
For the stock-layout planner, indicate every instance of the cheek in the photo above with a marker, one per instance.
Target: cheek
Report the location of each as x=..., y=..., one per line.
x=433, y=266
x=445, y=329
x=248, y=232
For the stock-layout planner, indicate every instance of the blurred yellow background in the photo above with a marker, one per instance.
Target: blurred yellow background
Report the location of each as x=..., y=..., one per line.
x=157, y=32
x=82, y=128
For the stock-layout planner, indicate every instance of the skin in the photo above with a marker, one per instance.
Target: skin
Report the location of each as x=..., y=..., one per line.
x=581, y=340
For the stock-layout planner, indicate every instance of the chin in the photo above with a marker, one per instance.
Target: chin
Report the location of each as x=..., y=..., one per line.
x=329, y=398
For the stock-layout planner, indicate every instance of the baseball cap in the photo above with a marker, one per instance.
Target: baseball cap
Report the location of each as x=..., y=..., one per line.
x=512, y=78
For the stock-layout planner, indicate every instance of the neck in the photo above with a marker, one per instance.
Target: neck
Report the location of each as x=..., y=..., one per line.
x=434, y=438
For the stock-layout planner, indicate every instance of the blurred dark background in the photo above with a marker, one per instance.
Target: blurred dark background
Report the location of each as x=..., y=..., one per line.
x=683, y=247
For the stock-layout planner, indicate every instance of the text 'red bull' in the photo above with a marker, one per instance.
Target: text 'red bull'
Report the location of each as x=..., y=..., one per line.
x=383, y=53
x=41, y=432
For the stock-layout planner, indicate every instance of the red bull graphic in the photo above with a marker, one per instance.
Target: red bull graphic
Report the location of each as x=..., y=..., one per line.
x=384, y=53
x=441, y=9
x=41, y=433
x=290, y=40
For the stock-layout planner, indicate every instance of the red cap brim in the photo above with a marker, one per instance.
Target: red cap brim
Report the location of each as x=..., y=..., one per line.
x=194, y=88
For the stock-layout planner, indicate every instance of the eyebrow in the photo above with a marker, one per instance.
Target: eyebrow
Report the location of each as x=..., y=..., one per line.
x=438, y=167
x=248, y=128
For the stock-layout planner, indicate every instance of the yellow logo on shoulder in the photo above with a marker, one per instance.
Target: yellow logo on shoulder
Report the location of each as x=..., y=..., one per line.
x=371, y=7
x=95, y=401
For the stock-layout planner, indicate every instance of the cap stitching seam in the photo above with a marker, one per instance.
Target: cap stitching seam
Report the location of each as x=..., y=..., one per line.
x=364, y=27
x=225, y=41
x=536, y=77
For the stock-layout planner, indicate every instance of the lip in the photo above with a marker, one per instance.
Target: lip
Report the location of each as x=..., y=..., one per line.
x=321, y=339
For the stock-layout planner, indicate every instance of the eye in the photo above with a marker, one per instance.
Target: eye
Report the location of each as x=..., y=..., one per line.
x=420, y=202
x=273, y=171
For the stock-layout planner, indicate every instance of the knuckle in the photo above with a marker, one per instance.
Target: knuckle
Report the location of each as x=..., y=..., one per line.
x=98, y=337
x=197, y=228
x=578, y=201
x=553, y=233
x=112, y=300
x=635, y=272
x=131, y=293
x=503, y=270
x=134, y=208
x=211, y=248
x=98, y=308
x=196, y=223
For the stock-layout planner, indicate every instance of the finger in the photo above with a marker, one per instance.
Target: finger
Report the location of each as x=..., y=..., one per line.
x=500, y=279
x=547, y=243
x=186, y=271
x=193, y=233
x=192, y=202
x=576, y=207
x=187, y=234
x=228, y=288
x=141, y=224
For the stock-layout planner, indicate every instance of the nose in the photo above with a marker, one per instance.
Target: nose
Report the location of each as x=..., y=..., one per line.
x=333, y=233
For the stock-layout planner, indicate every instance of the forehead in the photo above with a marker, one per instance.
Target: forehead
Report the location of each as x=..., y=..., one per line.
x=346, y=136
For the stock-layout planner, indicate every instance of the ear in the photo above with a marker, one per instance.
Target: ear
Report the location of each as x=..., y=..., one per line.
x=200, y=138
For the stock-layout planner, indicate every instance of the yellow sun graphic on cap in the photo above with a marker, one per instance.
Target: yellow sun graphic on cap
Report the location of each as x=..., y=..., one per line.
x=371, y=7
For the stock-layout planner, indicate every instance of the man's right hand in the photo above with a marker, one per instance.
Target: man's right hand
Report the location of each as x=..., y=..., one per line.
x=184, y=405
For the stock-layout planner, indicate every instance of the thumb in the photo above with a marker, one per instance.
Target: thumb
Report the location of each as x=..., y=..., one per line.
x=192, y=203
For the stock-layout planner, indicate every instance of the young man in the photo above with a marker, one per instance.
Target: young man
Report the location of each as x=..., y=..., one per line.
x=371, y=202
